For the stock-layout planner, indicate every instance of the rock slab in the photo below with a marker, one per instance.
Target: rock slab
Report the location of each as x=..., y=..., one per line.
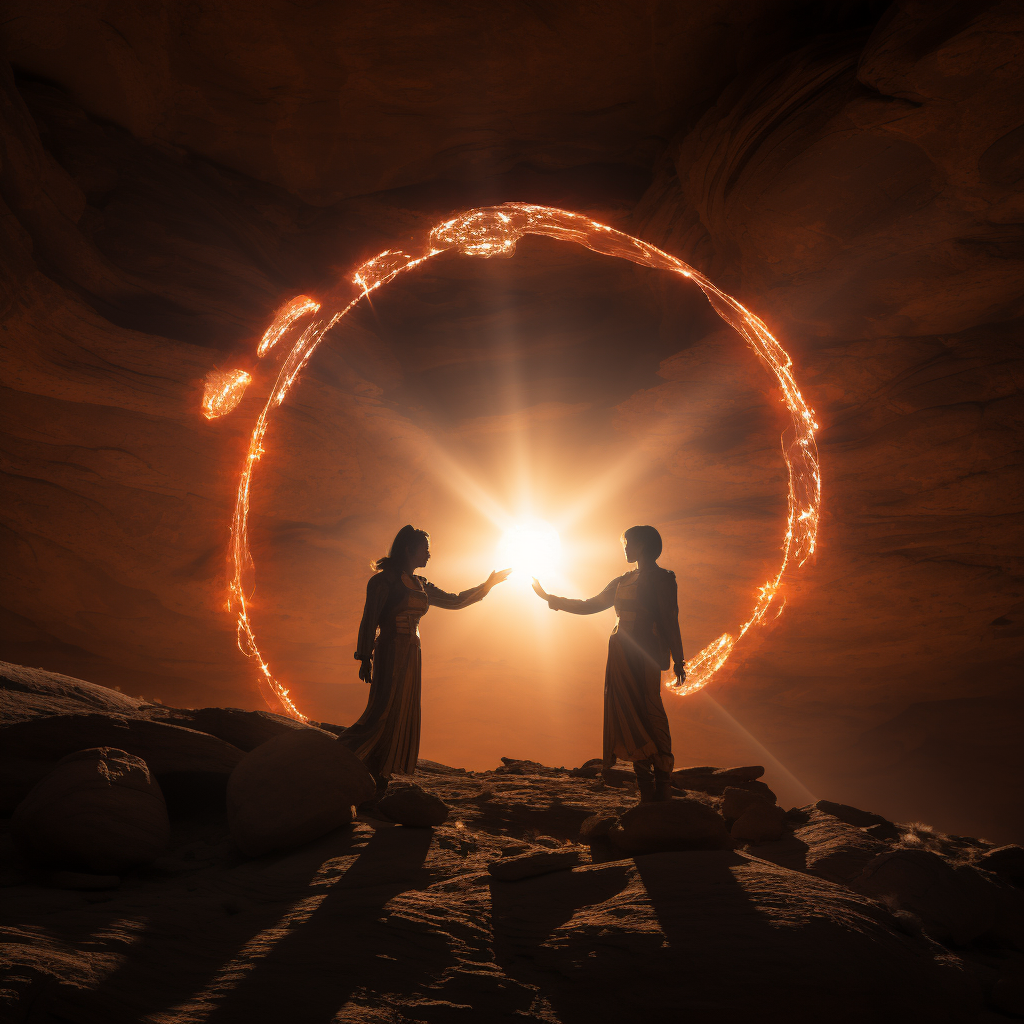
x=99, y=810
x=530, y=865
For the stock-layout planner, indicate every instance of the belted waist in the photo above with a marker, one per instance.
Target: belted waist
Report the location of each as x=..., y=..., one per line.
x=407, y=623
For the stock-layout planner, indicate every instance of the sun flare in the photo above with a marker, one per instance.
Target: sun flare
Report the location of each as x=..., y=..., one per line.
x=531, y=547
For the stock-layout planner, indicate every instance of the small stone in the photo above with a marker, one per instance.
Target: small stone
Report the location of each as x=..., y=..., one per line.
x=409, y=805
x=99, y=810
x=761, y=822
x=596, y=826
x=512, y=869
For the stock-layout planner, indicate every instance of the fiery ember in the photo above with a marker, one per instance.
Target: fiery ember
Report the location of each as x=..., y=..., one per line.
x=283, y=319
x=494, y=231
x=223, y=391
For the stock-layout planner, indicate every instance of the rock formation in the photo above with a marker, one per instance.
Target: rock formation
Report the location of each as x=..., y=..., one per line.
x=851, y=171
x=506, y=911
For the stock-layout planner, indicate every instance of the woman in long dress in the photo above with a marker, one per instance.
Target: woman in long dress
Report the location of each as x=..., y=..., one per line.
x=387, y=736
x=646, y=632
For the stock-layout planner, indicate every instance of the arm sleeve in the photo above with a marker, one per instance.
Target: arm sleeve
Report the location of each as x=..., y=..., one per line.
x=600, y=603
x=442, y=599
x=376, y=598
x=667, y=615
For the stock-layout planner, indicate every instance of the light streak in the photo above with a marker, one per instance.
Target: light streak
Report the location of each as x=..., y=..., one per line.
x=291, y=311
x=494, y=231
x=223, y=391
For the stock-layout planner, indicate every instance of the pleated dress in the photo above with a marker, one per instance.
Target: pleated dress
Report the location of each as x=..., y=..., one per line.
x=387, y=735
x=646, y=632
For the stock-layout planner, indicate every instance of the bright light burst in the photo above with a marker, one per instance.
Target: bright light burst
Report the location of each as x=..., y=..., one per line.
x=531, y=547
x=494, y=231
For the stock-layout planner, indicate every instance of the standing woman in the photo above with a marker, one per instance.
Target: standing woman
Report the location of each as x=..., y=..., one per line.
x=387, y=736
x=645, y=634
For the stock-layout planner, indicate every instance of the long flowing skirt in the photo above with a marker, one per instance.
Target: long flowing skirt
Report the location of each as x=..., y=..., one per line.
x=635, y=723
x=386, y=738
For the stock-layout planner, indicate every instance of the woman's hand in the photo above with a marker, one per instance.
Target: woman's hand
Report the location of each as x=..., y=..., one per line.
x=539, y=590
x=680, y=670
x=496, y=577
x=366, y=670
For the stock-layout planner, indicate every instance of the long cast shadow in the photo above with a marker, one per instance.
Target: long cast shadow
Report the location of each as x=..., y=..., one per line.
x=347, y=943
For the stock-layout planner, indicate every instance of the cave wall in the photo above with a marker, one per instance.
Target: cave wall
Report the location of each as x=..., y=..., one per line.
x=854, y=176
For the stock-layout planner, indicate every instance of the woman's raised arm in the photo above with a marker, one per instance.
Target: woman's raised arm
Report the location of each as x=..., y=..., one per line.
x=600, y=603
x=442, y=599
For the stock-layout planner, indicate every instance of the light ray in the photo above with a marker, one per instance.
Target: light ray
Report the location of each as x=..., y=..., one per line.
x=494, y=231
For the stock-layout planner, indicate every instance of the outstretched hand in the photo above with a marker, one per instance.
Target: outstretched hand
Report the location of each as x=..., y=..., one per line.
x=539, y=590
x=496, y=577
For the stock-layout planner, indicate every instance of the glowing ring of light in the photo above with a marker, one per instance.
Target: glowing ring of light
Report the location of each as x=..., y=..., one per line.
x=494, y=231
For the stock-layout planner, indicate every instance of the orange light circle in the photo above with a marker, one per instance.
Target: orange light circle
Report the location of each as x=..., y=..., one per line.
x=494, y=231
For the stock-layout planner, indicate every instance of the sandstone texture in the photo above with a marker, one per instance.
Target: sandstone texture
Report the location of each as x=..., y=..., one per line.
x=851, y=172
x=99, y=810
x=517, y=907
x=293, y=788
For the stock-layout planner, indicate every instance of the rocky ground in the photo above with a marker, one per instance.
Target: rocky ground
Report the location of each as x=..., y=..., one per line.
x=542, y=895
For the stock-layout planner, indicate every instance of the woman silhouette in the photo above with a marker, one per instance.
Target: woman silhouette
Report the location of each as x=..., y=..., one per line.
x=645, y=634
x=387, y=735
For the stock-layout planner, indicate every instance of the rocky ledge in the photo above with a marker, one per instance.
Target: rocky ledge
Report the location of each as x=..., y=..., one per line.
x=221, y=865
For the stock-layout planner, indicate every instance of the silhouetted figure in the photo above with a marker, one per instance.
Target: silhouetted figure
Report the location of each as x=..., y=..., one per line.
x=387, y=735
x=645, y=634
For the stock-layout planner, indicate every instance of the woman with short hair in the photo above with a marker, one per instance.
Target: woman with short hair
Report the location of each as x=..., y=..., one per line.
x=387, y=735
x=646, y=633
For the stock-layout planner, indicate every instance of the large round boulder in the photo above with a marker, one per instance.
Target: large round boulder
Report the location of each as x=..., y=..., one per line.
x=99, y=810
x=292, y=789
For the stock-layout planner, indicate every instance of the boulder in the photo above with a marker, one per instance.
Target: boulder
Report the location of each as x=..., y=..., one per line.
x=735, y=801
x=1005, y=861
x=410, y=805
x=679, y=824
x=99, y=810
x=27, y=693
x=835, y=850
x=955, y=906
x=851, y=815
x=184, y=760
x=760, y=822
x=245, y=730
x=529, y=865
x=292, y=789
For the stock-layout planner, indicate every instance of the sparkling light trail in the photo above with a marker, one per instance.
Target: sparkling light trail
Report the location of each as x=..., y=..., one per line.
x=494, y=231
x=291, y=311
x=223, y=391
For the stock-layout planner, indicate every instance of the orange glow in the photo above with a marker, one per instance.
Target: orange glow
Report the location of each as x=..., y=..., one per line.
x=494, y=231
x=283, y=319
x=223, y=391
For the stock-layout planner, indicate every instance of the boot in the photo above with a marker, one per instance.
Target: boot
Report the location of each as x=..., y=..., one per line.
x=381, y=784
x=662, y=785
x=645, y=780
